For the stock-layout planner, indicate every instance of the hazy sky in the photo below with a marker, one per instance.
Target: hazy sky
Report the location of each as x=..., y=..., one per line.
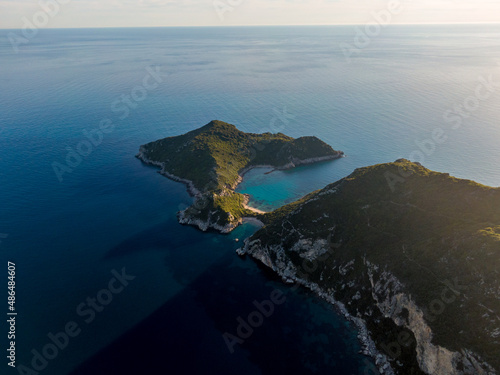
x=120, y=13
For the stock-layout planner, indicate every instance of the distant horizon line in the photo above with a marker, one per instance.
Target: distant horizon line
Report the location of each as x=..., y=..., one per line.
x=270, y=25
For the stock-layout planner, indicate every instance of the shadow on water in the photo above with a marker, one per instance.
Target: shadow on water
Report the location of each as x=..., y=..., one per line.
x=158, y=237
x=184, y=336
x=188, y=251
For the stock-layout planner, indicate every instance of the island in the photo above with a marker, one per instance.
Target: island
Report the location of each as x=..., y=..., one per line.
x=411, y=256
x=211, y=161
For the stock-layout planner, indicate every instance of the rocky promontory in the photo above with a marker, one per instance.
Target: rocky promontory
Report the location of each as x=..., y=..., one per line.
x=211, y=160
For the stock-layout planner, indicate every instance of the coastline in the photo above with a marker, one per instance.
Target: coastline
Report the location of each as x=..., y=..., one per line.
x=253, y=220
x=204, y=225
x=292, y=164
x=256, y=210
x=367, y=344
x=196, y=194
x=192, y=190
x=390, y=300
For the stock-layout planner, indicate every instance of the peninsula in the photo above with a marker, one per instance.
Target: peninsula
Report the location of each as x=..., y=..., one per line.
x=211, y=160
x=410, y=255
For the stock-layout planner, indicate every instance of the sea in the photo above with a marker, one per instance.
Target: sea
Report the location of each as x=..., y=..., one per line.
x=81, y=216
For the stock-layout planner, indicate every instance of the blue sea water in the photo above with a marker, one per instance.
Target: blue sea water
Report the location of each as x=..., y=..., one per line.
x=111, y=211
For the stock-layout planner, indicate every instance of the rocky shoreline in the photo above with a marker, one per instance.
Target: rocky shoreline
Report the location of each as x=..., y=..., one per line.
x=192, y=190
x=292, y=164
x=289, y=277
x=204, y=225
x=390, y=300
x=182, y=217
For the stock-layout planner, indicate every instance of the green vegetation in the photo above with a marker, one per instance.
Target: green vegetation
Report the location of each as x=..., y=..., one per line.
x=426, y=229
x=212, y=157
x=430, y=230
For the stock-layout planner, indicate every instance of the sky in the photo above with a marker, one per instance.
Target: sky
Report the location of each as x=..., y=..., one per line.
x=16, y=14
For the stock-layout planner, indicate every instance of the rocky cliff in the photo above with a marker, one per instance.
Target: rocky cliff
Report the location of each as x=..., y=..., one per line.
x=411, y=256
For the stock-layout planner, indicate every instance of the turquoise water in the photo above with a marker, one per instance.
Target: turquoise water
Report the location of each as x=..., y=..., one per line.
x=112, y=212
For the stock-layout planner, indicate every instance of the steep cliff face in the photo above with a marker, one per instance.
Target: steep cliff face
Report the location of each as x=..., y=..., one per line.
x=409, y=255
x=210, y=161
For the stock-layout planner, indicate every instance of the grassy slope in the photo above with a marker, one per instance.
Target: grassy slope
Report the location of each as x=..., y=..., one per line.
x=212, y=156
x=430, y=229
